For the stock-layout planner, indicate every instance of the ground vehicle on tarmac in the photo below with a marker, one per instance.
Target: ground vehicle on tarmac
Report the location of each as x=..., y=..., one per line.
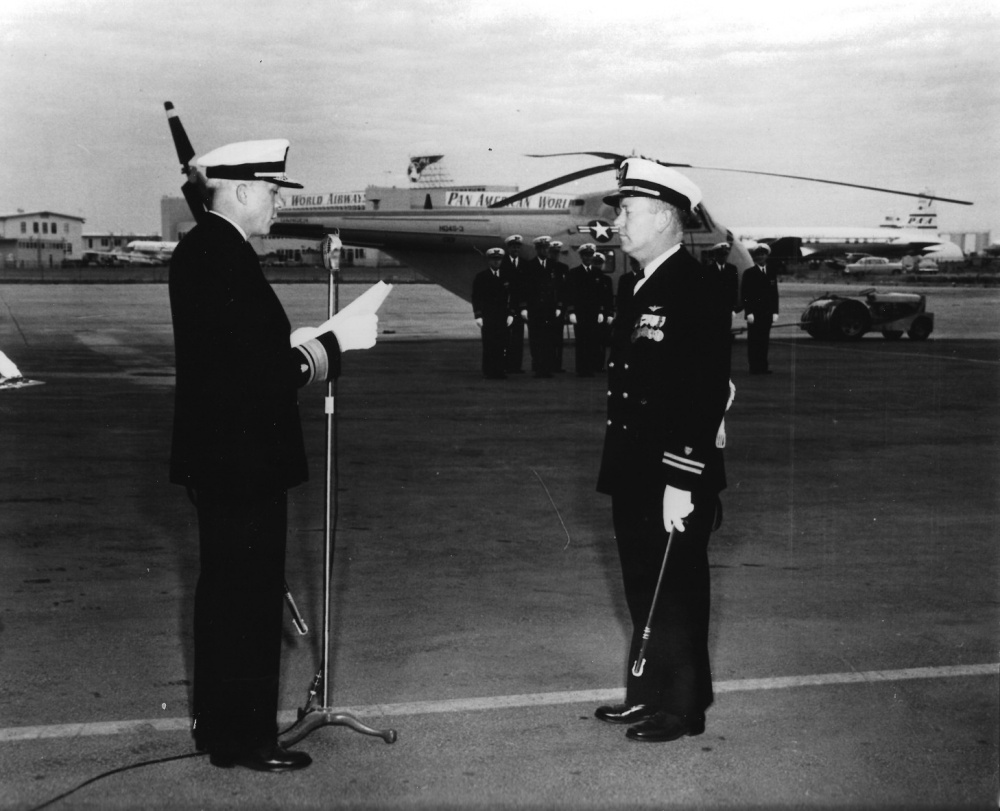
x=871, y=265
x=833, y=317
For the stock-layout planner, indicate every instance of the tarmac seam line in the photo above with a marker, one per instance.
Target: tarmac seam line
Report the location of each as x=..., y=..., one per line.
x=13, y=734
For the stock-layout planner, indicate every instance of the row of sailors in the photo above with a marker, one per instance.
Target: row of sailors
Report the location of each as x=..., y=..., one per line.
x=543, y=294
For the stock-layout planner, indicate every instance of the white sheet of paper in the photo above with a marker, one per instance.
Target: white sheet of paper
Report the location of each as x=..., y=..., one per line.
x=367, y=302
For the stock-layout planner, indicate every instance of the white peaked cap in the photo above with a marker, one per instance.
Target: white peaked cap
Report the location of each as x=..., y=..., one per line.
x=249, y=160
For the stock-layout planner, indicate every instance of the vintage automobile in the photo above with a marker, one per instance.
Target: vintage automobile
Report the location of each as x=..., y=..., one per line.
x=834, y=317
x=869, y=265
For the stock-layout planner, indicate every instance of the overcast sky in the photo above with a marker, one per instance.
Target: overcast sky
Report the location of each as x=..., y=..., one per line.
x=904, y=95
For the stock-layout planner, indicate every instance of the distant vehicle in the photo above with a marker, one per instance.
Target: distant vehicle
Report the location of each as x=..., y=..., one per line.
x=833, y=317
x=872, y=264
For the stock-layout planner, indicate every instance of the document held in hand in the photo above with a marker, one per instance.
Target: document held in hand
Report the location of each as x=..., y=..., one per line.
x=365, y=304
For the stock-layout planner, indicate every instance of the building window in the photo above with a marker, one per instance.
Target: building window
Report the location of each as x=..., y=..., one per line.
x=34, y=227
x=24, y=228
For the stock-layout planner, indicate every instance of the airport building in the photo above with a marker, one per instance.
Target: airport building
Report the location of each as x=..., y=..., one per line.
x=31, y=239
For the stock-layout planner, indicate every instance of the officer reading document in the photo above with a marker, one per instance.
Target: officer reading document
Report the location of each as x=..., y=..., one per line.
x=668, y=381
x=238, y=447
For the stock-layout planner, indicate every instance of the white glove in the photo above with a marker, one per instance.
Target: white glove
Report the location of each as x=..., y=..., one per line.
x=611, y=320
x=479, y=322
x=524, y=315
x=510, y=320
x=572, y=318
x=774, y=318
x=676, y=507
x=600, y=318
x=750, y=318
x=356, y=331
x=558, y=313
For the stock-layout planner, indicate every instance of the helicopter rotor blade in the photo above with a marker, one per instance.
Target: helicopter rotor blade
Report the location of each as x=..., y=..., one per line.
x=550, y=184
x=923, y=195
x=185, y=152
x=618, y=158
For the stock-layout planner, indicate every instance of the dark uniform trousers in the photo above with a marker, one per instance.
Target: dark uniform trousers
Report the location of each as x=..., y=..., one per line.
x=239, y=607
x=676, y=676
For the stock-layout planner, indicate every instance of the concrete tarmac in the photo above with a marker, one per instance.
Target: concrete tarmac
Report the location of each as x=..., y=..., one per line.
x=477, y=606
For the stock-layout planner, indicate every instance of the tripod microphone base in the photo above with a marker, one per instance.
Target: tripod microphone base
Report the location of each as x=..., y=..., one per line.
x=313, y=719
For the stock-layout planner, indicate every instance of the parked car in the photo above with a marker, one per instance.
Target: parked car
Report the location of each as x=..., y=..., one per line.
x=845, y=318
x=873, y=264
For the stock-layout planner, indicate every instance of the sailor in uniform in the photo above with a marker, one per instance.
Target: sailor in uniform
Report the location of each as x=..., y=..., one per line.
x=238, y=446
x=668, y=389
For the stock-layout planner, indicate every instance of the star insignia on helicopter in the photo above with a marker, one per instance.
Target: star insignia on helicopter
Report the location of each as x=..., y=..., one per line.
x=598, y=229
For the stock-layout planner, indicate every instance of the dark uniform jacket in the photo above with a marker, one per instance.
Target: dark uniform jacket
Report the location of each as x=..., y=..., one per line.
x=541, y=293
x=668, y=380
x=236, y=418
x=589, y=294
x=491, y=296
x=760, y=292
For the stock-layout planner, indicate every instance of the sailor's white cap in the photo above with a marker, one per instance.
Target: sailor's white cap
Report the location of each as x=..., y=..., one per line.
x=721, y=246
x=760, y=247
x=598, y=256
x=495, y=252
x=514, y=238
x=587, y=246
x=249, y=160
x=555, y=243
x=540, y=240
x=639, y=177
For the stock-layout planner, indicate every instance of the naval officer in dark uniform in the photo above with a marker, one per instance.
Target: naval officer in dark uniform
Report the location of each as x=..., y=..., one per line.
x=760, y=301
x=668, y=380
x=491, y=307
x=238, y=447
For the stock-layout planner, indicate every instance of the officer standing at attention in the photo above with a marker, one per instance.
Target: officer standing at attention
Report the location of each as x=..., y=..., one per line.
x=760, y=302
x=492, y=311
x=604, y=331
x=513, y=269
x=727, y=278
x=668, y=380
x=238, y=447
x=589, y=302
x=541, y=308
x=560, y=271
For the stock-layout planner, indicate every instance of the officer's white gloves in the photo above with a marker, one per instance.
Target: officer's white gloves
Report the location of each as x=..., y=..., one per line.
x=600, y=318
x=558, y=313
x=510, y=320
x=479, y=322
x=572, y=318
x=749, y=318
x=774, y=318
x=524, y=315
x=676, y=507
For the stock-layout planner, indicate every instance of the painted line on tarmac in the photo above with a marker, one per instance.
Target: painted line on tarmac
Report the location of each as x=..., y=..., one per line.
x=12, y=734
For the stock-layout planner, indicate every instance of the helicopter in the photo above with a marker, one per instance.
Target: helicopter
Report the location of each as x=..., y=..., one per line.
x=443, y=231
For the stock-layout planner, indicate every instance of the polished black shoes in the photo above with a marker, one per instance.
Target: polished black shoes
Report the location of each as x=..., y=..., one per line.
x=624, y=713
x=268, y=758
x=662, y=726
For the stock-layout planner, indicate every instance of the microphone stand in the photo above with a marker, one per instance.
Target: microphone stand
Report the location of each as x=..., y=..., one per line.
x=316, y=714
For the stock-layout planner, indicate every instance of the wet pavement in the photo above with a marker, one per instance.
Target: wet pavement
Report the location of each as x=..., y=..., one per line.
x=477, y=608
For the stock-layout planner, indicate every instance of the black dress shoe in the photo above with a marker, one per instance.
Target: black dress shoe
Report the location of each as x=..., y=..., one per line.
x=625, y=713
x=273, y=758
x=663, y=727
